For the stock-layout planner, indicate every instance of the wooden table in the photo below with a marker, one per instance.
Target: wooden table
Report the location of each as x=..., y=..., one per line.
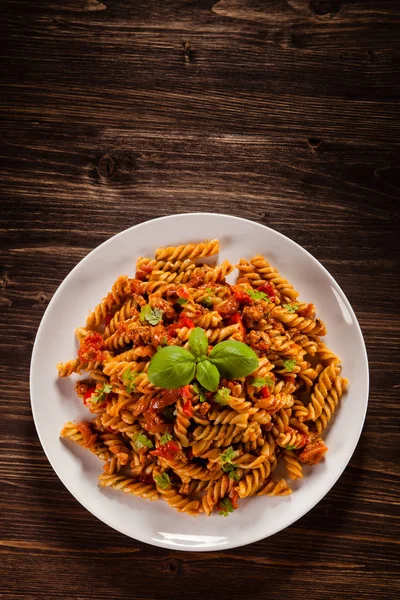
x=118, y=111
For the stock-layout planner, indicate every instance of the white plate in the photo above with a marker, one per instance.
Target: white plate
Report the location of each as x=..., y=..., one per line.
x=54, y=400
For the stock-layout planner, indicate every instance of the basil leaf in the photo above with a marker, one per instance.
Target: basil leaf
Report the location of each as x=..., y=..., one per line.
x=207, y=375
x=233, y=359
x=198, y=342
x=171, y=367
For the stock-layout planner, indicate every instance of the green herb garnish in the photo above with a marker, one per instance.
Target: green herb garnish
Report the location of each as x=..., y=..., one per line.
x=197, y=388
x=291, y=307
x=226, y=507
x=257, y=295
x=260, y=382
x=227, y=456
x=163, y=481
x=234, y=475
x=141, y=441
x=151, y=315
x=165, y=438
x=101, y=393
x=182, y=301
x=289, y=364
x=289, y=447
x=174, y=367
x=222, y=395
x=208, y=300
x=128, y=378
x=230, y=469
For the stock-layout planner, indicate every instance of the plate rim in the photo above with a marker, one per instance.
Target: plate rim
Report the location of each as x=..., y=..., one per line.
x=163, y=543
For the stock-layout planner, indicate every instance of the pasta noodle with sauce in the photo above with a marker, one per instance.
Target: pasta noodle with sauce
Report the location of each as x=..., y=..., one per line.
x=201, y=450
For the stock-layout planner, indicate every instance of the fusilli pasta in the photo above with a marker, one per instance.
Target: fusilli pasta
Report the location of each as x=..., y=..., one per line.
x=193, y=448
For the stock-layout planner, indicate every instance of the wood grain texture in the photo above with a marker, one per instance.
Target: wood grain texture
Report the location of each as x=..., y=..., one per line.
x=114, y=112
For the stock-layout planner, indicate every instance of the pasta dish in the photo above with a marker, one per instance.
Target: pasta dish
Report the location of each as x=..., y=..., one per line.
x=200, y=391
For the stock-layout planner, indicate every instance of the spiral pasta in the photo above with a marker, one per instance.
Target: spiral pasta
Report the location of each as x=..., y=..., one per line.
x=202, y=451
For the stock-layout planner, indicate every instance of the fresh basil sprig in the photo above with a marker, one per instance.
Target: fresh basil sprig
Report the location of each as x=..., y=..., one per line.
x=233, y=359
x=207, y=375
x=173, y=367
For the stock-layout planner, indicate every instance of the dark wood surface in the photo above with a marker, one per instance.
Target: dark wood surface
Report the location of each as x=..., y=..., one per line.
x=119, y=111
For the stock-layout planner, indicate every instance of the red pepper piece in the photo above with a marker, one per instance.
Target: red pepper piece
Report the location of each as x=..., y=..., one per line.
x=268, y=289
x=241, y=295
x=265, y=393
x=88, y=394
x=188, y=408
x=169, y=451
x=183, y=293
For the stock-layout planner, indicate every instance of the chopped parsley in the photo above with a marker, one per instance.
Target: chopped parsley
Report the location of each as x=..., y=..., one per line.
x=289, y=447
x=182, y=301
x=257, y=295
x=151, y=315
x=226, y=507
x=291, y=307
x=227, y=456
x=141, y=441
x=222, y=395
x=199, y=390
x=101, y=393
x=128, y=379
x=207, y=301
x=260, y=382
x=289, y=364
x=163, y=481
x=165, y=438
x=233, y=474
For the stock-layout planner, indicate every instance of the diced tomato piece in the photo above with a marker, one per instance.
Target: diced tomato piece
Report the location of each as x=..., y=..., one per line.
x=185, y=392
x=265, y=393
x=241, y=295
x=268, y=289
x=237, y=318
x=169, y=451
x=91, y=348
x=183, y=322
x=88, y=437
x=182, y=292
x=88, y=394
x=188, y=408
x=186, y=322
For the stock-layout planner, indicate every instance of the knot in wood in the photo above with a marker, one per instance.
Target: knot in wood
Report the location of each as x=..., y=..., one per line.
x=188, y=52
x=174, y=566
x=106, y=166
x=325, y=7
x=314, y=142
